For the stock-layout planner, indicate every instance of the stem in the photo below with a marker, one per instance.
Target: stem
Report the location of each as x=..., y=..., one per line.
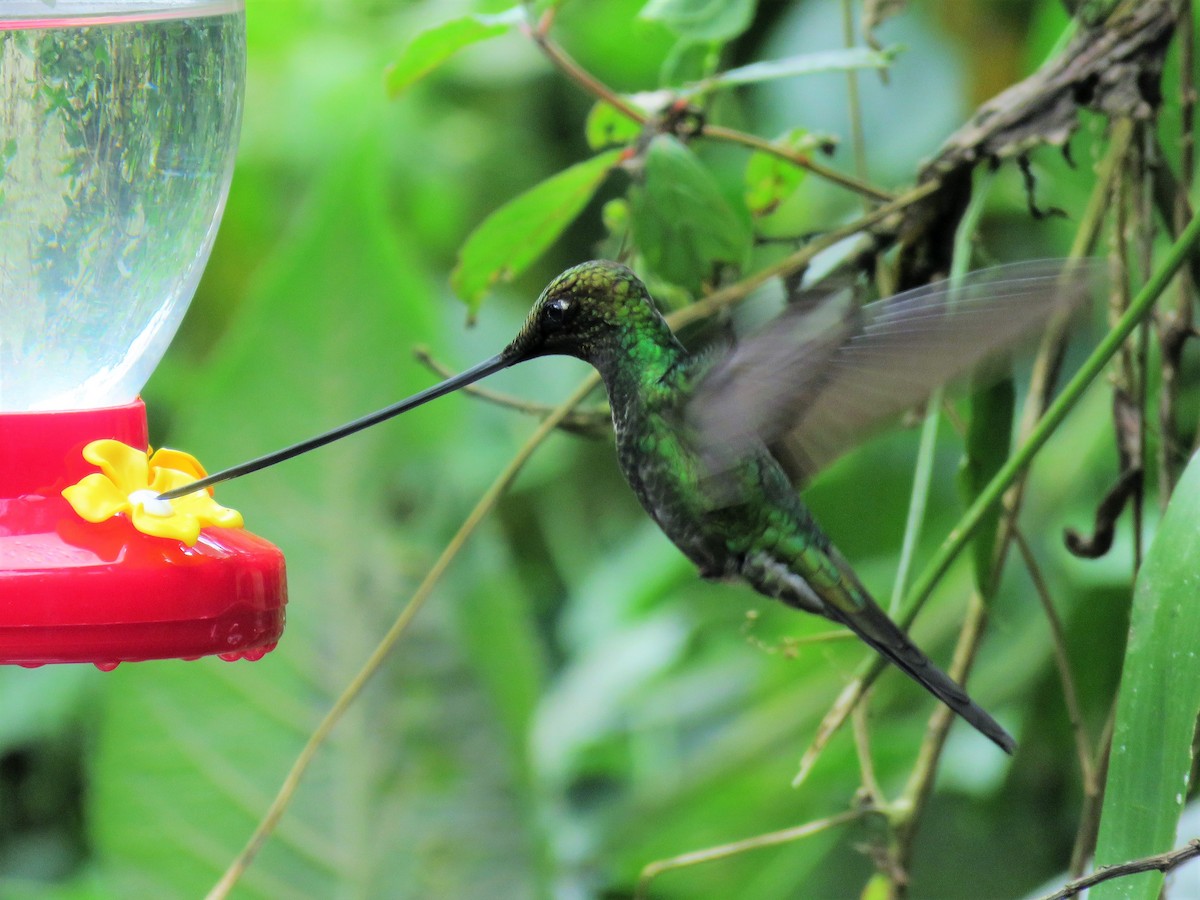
x=1089, y=816
x=862, y=746
x=722, y=851
x=853, y=106
x=800, y=160
x=918, y=500
x=1062, y=661
x=582, y=77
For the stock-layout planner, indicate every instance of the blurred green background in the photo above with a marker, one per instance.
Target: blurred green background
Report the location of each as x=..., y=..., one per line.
x=573, y=702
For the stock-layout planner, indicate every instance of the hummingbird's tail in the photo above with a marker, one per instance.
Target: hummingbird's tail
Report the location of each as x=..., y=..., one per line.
x=862, y=615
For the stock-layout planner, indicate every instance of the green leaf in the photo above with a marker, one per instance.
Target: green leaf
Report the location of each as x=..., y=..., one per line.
x=702, y=20
x=435, y=45
x=989, y=434
x=606, y=126
x=519, y=232
x=846, y=60
x=682, y=223
x=1158, y=703
x=771, y=180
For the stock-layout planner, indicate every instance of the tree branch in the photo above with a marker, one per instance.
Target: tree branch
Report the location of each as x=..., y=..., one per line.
x=1163, y=862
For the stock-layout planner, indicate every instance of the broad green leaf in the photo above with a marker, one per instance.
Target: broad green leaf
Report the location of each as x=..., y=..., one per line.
x=682, y=223
x=771, y=180
x=702, y=20
x=519, y=232
x=690, y=62
x=1158, y=703
x=606, y=126
x=846, y=60
x=435, y=45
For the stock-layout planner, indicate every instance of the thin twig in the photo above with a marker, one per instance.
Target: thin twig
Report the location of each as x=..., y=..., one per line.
x=582, y=77
x=735, y=293
x=853, y=105
x=722, y=851
x=800, y=160
x=789, y=646
x=866, y=763
x=918, y=498
x=590, y=423
x=1058, y=641
x=1163, y=862
x=598, y=89
x=270, y=819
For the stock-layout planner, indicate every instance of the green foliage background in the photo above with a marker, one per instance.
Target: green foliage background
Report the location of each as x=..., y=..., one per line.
x=573, y=702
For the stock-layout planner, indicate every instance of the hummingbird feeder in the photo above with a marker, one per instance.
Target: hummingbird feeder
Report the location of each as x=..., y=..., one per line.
x=118, y=123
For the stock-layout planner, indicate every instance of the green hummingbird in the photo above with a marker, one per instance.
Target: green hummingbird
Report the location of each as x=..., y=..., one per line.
x=714, y=444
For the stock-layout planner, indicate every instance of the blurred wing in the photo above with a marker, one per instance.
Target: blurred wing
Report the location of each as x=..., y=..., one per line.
x=811, y=402
x=774, y=375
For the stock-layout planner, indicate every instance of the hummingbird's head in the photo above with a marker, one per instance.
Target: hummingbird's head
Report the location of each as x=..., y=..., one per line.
x=588, y=312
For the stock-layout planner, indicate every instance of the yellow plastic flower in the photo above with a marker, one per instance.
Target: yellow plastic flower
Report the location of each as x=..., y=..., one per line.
x=129, y=482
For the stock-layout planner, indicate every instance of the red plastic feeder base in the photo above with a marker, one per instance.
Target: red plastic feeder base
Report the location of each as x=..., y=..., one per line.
x=74, y=591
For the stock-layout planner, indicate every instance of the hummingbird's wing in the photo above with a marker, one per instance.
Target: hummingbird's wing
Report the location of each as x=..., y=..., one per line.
x=810, y=385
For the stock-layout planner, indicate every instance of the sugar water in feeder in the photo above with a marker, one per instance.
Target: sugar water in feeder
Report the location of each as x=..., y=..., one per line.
x=118, y=126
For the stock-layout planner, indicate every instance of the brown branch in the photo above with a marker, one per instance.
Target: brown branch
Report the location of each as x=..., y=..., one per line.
x=1175, y=327
x=1113, y=68
x=581, y=76
x=1163, y=862
x=1089, y=815
x=800, y=160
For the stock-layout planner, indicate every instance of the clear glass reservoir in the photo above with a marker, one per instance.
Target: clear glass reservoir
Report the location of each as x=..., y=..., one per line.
x=118, y=124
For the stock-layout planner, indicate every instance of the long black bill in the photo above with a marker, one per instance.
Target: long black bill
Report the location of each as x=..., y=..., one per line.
x=473, y=374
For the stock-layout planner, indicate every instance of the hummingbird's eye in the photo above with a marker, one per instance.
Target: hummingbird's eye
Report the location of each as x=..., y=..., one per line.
x=555, y=312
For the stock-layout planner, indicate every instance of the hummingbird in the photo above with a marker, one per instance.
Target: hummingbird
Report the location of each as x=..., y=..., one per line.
x=714, y=444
